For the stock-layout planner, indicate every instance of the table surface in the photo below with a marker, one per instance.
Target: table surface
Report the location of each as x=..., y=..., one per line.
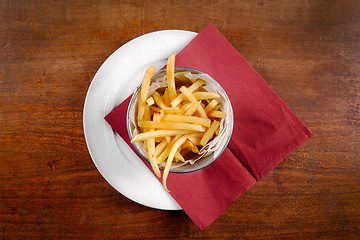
x=307, y=51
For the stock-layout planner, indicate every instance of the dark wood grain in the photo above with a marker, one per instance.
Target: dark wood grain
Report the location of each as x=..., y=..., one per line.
x=307, y=51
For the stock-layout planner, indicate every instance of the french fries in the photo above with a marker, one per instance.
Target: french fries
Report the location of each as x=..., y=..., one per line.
x=171, y=125
x=217, y=114
x=150, y=101
x=192, y=88
x=211, y=106
x=177, y=122
x=188, y=119
x=157, y=133
x=205, y=95
x=144, y=91
x=209, y=133
x=188, y=94
x=170, y=76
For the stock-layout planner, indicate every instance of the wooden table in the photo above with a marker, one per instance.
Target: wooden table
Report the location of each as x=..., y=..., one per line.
x=307, y=51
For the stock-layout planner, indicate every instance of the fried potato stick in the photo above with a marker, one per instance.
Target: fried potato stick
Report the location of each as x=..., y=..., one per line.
x=205, y=95
x=170, y=68
x=192, y=88
x=188, y=119
x=171, y=125
x=209, y=133
x=217, y=114
x=144, y=91
x=170, y=158
x=158, y=133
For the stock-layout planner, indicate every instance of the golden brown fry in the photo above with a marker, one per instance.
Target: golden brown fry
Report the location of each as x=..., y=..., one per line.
x=159, y=100
x=146, y=83
x=205, y=95
x=196, y=134
x=165, y=153
x=192, y=88
x=172, y=110
x=188, y=94
x=181, y=97
x=168, y=139
x=171, y=125
x=191, y=146
x=162, y=114
x=187, y=144
x=211, y=105
x=170, y=67
x=166, y=97
x=144, y=91
x=185, y=107
x=158, y=133
x=209, y=133
x=195, y=140
x=156, y=117
x=141, y=110
x=217, y=114
x=150, y=144
x=201, y=111
x=178, y=157
x=193, y=108
x=188, y=119
x=217, y=107
x=196, y=85
x=147, y=116
x=195, y=149
x=159, y=148
x=170, y=158
x=150, y=101
x=152, y=159
x=177, y=100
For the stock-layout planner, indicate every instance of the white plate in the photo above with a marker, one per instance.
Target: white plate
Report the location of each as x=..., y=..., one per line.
x=116, y=79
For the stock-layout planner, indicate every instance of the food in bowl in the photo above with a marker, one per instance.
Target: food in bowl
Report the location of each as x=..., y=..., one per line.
x=179, y=118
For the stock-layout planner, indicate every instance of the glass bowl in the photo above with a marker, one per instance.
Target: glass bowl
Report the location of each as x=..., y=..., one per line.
x=203, y=161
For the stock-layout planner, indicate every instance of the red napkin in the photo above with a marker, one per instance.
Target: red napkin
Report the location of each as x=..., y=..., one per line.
x=265, y=131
